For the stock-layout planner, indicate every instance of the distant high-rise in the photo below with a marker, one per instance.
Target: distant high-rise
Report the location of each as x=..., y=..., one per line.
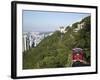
x=24, y=43
x=32, y=39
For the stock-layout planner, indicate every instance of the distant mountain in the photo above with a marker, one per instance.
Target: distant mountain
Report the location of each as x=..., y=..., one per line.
x=56, y=50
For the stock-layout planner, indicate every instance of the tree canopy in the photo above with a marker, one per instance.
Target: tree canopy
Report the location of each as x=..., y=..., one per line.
x=54, y=52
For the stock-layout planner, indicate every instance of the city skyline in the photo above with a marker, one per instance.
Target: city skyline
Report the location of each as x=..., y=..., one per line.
x=43, y=21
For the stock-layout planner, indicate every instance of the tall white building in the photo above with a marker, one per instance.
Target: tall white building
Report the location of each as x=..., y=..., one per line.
x=24, y=43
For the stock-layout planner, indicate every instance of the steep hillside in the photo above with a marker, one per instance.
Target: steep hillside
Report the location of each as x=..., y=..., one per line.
x=56, y=50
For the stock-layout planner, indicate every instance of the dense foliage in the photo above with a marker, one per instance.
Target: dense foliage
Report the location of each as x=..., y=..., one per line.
x=56, y=50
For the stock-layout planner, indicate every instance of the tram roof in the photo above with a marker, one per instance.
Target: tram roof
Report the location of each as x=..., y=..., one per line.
x=77, y=49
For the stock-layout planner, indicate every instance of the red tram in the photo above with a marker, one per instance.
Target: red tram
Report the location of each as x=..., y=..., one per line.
x=77, y=55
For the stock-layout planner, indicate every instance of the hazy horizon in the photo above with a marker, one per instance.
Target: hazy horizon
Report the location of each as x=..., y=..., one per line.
x=42, y=21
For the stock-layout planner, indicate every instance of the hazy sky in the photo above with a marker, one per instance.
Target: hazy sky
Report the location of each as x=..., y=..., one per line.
x=48, y=21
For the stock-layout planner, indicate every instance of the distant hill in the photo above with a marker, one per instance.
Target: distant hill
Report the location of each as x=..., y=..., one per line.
x=56, y=50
